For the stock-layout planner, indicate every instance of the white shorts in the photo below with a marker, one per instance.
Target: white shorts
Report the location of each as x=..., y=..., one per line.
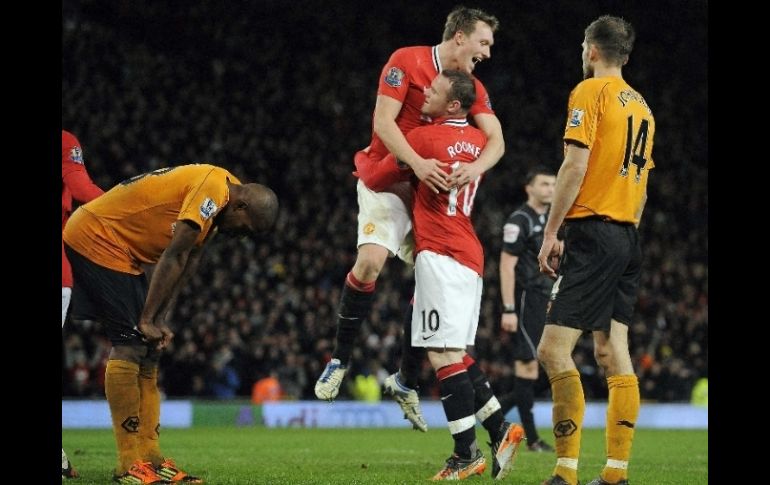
x=65, y=302
x=384, y=220
x=447, y=299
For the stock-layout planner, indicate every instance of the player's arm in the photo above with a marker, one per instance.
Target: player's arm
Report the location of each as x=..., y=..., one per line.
x=568, y=182
x=189, y=269
x=167, y=276
x=641, y=207
x=80, y=185
x=429, y=171
x=509, y=321
x=493, y=151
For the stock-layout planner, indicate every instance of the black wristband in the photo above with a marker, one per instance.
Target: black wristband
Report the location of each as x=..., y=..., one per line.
x=509, y=308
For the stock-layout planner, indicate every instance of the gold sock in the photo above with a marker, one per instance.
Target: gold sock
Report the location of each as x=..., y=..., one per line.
x=622, y=412
x=149, y=415
x=121, y=385
x=568, y=408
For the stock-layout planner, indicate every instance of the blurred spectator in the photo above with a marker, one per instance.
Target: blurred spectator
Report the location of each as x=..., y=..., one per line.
x=267, y=389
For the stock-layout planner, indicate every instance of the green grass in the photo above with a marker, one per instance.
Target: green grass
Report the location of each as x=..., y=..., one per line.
x=258, y=455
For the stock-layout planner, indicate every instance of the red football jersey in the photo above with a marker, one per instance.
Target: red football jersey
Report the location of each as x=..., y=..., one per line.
x=75, y=184
x=405, y=76
x=442, y=222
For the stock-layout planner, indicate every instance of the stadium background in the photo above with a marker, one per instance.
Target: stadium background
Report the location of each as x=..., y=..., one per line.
x=282, y=93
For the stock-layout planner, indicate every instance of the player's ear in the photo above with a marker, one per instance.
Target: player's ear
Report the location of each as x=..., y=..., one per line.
x=460, y=37
x=593, y=52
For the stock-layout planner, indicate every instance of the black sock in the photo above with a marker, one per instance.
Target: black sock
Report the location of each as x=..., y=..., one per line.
x=524, y=395
x=411, y=357
x=507, y=402
x=486, y=406
x=457, y=399
x=353, y=309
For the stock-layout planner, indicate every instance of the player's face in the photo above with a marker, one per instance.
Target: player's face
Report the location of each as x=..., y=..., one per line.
x=477, y=47
x=542, y=187
x=588, y=69
x=436, y=103
x=236, y=223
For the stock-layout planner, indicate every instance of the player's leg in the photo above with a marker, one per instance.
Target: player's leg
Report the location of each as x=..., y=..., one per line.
x=532, y=309
x=623, y=407
x=612, y=353
x=555, y=353
x=457, y=400
x=112, y=298
x=67, y=471
x=383, y=222
x=443, y=319
x=402, y=385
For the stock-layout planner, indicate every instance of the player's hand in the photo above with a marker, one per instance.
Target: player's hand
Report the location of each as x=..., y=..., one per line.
x=165, y=340
x=156, y=336
x=463, y=175
x=431, y=172
x=549, y=255
x=510, y=322
x=152, y=333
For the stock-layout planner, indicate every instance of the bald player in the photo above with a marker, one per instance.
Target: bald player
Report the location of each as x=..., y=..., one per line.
x=163, y=217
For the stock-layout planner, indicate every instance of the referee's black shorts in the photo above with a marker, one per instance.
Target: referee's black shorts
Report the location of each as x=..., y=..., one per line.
x=598, y=275
x=110, y=297
x=531, y=305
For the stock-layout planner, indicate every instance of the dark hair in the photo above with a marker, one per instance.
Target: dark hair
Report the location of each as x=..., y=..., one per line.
x=613, y=36
x=463, y=88
x=463, y=18
x=538, y=170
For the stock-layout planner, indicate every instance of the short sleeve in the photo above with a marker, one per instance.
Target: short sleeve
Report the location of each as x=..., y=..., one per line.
x=515, y=232
x=482, y=105
x=205, y=200
x=394, y=78
x=583, y=112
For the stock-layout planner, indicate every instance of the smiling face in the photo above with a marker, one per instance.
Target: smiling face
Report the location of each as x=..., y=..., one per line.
x=474, y=47
x=436, y=94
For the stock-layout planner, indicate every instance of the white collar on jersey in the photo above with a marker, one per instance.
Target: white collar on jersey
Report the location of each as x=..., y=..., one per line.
x=436, y=59
x=458, y=122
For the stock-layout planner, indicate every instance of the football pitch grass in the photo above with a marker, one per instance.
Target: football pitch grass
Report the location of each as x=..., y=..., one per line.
x=258, y=455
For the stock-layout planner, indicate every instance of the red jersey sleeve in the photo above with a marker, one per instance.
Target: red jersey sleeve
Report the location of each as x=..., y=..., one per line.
x=483, y=105
x=394, y=78
x=73, y=171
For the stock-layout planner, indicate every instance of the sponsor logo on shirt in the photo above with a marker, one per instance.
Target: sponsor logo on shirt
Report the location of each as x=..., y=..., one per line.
x=76, y=155
x=394, y=77
x=208, y=208
x=576, y=118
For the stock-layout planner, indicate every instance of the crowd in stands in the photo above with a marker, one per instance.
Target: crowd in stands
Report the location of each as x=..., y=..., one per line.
x=282, y=94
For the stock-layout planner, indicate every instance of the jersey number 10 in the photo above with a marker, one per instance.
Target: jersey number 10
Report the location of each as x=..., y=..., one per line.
x=468, y=194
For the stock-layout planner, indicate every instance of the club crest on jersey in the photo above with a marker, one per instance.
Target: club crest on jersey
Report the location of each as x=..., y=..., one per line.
x=394, y=77
x=576, y=117
x=368, y=228
x=76, y=155
x=208, y=208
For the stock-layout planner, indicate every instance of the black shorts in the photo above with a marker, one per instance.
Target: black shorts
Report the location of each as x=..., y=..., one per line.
x=598, y=275
x=110, y=297
x=531, y=307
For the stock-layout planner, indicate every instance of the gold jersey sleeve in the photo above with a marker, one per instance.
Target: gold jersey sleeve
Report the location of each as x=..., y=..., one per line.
x=133, y=223
x=615, y=123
